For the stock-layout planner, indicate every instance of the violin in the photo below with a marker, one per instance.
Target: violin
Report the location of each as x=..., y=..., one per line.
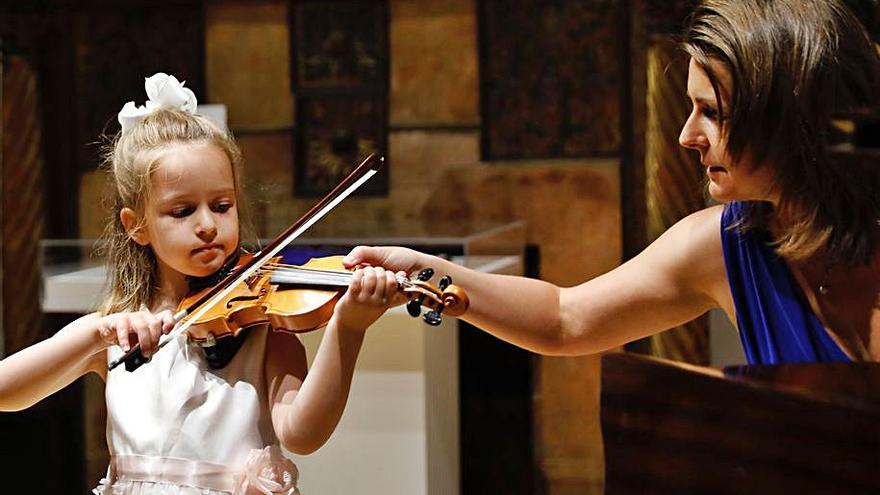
x=301, y=298
x=295, y=298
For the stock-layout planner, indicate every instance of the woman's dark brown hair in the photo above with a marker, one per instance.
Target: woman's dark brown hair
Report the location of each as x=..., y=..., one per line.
x=795, y=65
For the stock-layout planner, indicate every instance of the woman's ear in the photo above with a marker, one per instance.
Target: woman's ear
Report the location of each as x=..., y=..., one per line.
x=130, y=222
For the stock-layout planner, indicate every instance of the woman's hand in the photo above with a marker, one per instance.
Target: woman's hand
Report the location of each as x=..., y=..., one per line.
x=118, y=328
x=388, y=257
x=373, y=290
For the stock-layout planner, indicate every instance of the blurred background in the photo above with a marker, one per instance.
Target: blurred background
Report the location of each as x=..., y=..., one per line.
x=556, y=119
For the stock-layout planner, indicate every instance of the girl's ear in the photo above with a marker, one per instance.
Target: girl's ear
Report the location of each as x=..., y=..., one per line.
x=130, y=222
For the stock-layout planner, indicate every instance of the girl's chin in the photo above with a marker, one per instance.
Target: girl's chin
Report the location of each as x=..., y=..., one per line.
x=204, y=269
x=199, y=273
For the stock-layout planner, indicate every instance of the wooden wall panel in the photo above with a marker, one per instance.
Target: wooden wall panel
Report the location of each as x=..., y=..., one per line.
x=22, y=206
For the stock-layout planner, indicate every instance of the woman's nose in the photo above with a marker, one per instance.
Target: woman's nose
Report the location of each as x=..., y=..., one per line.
x=691, y=136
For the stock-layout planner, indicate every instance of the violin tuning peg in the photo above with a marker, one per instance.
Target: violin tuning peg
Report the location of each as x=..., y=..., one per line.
x=426, y=274
x=432, y=318
x=445, y=282
x=414, y=308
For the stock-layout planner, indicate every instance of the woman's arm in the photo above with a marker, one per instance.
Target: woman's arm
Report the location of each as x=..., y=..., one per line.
x=677, y=278
x=307, y=407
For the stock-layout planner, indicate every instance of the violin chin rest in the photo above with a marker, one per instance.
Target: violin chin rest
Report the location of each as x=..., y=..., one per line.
x=224, y=349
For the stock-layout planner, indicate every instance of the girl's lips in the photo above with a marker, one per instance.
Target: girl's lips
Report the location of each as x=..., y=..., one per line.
x=207, y=248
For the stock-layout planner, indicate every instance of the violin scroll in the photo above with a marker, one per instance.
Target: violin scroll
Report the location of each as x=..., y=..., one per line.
x=446, y=298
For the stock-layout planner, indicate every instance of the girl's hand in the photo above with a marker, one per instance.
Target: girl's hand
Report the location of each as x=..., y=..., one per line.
x=373, y=290
x=118, y=328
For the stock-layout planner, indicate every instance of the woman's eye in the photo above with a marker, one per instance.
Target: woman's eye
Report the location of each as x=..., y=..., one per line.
x=710, y=113
x=223, y=207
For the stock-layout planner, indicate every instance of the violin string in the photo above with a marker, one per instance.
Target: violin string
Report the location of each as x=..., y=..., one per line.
x=294, y=274
x=279, y=266
x=304, y=275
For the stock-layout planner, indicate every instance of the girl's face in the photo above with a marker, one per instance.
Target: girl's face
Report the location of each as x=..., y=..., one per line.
x=191, y=218
x=728, y=180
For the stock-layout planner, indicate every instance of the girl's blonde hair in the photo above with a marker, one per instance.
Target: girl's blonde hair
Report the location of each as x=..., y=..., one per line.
x=130, y=158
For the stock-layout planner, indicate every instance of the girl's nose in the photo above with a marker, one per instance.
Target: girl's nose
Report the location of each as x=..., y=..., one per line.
x=206, y=229
x=207, y=234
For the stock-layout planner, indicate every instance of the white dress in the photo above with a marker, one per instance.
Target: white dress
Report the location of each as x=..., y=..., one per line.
x=177, y=427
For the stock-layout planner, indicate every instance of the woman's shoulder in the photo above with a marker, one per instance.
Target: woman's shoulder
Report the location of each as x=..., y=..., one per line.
x=690, y=252
x=689, y=247
x=696, y=240
x=700, y=226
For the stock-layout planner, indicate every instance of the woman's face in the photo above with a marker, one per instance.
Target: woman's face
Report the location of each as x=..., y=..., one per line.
x=728, y=180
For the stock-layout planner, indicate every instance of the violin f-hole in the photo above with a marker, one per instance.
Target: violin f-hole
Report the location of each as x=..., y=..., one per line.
x=241, y=298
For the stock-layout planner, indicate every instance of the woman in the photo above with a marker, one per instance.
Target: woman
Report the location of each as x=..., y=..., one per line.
x=792, y=255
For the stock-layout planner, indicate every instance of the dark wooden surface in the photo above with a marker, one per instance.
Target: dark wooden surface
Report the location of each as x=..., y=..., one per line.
x=672, y=428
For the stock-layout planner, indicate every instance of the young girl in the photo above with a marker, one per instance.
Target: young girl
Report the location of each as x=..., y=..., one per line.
x=192, y=421
x=793, y=257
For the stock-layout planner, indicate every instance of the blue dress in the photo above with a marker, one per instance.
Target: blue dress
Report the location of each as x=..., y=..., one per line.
x=776, y=324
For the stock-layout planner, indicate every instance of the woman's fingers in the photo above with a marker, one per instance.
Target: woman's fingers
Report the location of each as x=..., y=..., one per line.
x=388, y=257
x=360, y=255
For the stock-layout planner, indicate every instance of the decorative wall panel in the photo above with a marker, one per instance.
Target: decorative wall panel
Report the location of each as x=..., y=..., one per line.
x=340, y=82
x=550, y=73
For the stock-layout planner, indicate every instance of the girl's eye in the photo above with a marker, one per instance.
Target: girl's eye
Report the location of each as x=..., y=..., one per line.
x=222, y=207
x=181, y=212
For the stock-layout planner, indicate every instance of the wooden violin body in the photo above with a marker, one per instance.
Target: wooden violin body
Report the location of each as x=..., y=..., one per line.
x=301, y=298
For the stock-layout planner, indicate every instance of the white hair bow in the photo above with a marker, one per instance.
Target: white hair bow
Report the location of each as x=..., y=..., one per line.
x=163, y=91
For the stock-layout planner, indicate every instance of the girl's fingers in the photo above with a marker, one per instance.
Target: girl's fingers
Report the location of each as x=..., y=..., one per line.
x=381, y=284
x=142, y=327
x=390, y=286
x=154, y=325
x=357, y=281
x=122, y=334
x=399, y=296
x=167, y=319
x=369, y=283
x=145, y=338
